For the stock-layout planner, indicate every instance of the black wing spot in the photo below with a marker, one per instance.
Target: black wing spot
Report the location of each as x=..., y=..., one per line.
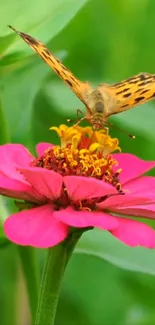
x=152, y=95
x=45, y=56
x=118, y=85
x=28, y=38
x=139, y=90
x=143, y=83
x=122, y=91
x=65, y=68
x=47, y=51
x=69, y=83
x=126, y=105
x=73, y=79
x=133, y=78
x=57, y=71
x=125, y=89
x=127, y=95
x=139, y=99
x=133, y=81
x=143, y=76
x=119, y=92
x=144, y=91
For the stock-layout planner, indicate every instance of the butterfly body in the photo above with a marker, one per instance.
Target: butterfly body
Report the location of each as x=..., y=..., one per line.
x=106, y=99
x=98, y=105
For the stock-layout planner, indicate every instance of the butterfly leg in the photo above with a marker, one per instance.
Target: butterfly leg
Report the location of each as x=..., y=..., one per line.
x=78, y=112
x=79, y=121
x=106, y=130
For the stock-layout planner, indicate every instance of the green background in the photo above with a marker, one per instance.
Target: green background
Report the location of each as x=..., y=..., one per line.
x=100, y=41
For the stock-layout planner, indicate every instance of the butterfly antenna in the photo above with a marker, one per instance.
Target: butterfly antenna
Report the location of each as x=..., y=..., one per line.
x=131, y=136
x=16, y=31
x=79, y=120
x=69, y=120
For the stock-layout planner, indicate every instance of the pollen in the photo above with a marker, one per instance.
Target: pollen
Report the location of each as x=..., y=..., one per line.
x=83, y=152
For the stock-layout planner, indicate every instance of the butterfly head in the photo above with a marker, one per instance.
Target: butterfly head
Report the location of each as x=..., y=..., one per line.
x=97, y=120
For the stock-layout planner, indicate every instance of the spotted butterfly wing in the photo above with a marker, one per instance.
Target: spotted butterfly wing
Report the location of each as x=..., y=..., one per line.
x=130, y=92
x=106, y=99
x=81, y=89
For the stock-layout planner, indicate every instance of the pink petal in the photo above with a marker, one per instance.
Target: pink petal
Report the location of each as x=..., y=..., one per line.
x=83, y=218
x=46, y=182
x=81, y=188
x=36, y=227
x=120, y=201
x=42, y=146
x=143, y=210
x=131, y=166
x=12, y=157
x=142, y=186
x=138, y=191
x=18, y=190
x=135, y=233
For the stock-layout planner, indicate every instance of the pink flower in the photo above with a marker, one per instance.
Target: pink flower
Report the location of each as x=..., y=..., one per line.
x=48, y=222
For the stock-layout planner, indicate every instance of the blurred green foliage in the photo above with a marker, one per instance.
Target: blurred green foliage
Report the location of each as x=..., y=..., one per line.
x=100, y=41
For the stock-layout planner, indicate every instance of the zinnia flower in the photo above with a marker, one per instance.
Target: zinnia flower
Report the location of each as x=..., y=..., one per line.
x=79, y=184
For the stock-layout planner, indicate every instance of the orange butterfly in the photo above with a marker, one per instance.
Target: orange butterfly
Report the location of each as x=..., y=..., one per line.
x=105, y=100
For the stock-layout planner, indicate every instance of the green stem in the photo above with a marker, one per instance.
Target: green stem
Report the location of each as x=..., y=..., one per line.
x=55, y=265
x=31, y=276
x=4, y=129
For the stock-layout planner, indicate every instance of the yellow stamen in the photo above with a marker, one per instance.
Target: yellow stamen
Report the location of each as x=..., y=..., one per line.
x=99, y=140
x=84, y=152
x=84, y=208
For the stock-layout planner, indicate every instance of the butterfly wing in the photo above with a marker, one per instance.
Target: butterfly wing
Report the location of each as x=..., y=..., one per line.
x=130, y=92
x=81, y=89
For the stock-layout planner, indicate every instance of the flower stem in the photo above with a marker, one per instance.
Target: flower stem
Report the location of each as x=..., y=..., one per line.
x=55, y=265
x=31, y=276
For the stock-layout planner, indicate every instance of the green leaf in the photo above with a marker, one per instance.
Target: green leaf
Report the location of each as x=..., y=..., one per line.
x=41, y=19
x=4, y=242
x=20, y=90
x=12, y=58
x=103, y=245
x=5, y=42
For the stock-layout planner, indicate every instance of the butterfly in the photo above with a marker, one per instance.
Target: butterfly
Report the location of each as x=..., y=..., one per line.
x=105, y=100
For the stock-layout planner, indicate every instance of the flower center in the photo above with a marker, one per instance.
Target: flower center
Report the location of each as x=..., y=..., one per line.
x=82, y=152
